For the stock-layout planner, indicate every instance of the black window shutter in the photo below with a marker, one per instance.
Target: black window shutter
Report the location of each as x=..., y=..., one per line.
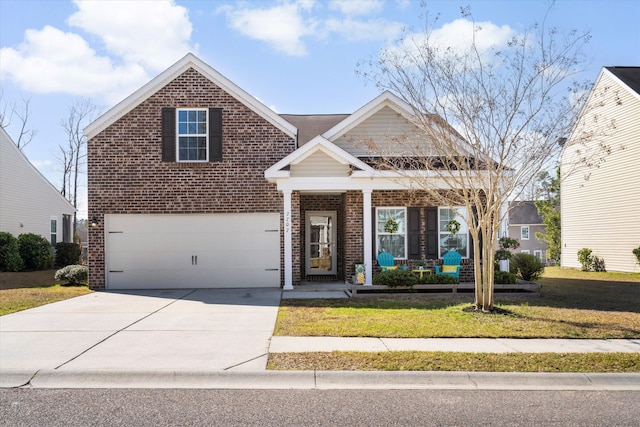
x=413, y=232
x=431, y=232
x=215, y=134
x=168, y=134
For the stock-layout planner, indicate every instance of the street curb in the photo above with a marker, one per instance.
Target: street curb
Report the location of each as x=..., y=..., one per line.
x=321, y=380
x=15, y=378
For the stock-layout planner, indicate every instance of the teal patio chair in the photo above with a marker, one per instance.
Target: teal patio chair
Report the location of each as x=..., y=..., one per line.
x=450, y=264
x=386, y=261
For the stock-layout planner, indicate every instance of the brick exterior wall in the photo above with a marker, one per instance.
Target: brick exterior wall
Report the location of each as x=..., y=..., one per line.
x=126, y=173
x=353, y=238
x=421, y=200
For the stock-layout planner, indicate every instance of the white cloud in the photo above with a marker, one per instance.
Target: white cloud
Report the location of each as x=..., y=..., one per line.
x=356, y=30
x=455, y=40
x=50, y=61
x=459, y=35
x=357, y=7
x=153, y=34
x=287, y=24
x=281, y=26
x=139, y=39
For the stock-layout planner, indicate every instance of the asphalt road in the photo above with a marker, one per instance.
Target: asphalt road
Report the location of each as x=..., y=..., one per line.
x=180, y=407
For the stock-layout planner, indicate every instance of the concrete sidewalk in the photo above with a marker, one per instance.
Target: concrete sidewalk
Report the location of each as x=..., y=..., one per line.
x=473, y=345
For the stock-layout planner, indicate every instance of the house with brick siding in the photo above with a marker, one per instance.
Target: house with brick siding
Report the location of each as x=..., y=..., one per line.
x=195, y=183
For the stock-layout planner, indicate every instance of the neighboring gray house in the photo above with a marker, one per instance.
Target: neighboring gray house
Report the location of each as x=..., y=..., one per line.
x=28, y=202
x=524, y=222
x=600, y=204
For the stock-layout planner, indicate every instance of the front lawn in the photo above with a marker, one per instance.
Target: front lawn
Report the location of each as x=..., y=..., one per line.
x=572, y=304
x=454, y=361
x=24, y=290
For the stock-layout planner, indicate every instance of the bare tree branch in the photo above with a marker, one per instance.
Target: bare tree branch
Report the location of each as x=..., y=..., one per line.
x=488, y=118
x=73, y=155
x=8, y=111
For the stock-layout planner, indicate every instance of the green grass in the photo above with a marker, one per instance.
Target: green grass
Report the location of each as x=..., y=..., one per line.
x=24, y=290
x=572, y=304
x=444, y=361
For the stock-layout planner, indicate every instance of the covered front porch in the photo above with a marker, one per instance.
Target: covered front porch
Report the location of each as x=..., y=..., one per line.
x=329, y=211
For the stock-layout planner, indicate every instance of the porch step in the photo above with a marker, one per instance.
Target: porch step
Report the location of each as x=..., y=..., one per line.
x=310, y=290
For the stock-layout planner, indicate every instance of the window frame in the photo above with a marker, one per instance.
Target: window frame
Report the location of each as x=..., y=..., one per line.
x=53, y=234
x=197, y=135
x=383, y=233
x=522, y=228
x=461, y=212
x=526, y=251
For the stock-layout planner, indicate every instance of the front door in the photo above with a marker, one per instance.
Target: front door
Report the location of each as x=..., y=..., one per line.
x=321, y=242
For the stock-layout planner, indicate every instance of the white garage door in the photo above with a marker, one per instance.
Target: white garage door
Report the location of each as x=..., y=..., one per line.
x=192, y=251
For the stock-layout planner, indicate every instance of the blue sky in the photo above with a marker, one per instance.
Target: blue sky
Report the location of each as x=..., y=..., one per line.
x=297, y=57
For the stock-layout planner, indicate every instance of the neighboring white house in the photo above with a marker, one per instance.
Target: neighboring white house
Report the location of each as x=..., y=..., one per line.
x=28, y=202
x=600, y=203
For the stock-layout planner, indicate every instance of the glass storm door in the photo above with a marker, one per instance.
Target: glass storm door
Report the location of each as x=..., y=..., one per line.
x=321, y=242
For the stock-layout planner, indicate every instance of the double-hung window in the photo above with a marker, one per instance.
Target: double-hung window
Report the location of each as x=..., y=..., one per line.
x=391, y=231
x=53, y=231
x=458, y=241
x=193, y=135
x=524, y=232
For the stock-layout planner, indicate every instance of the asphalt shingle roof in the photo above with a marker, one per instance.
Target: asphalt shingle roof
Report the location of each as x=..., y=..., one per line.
x=524, y=212
x=629, y=75
x=311, y=125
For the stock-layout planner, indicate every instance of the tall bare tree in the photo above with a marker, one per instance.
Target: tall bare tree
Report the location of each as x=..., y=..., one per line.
x=489, y=117
x=73, y=154
x=7, y=112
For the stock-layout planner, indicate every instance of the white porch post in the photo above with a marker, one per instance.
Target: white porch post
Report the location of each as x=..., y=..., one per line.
x=368, y=244
x=288, y=263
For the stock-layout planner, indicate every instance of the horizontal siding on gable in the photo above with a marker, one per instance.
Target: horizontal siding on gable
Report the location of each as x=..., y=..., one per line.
x=600, y=205
x=26, y=197
x=390, y=133
x=319, y=164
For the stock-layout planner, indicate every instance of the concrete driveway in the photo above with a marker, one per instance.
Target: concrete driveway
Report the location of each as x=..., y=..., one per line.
x=190, y=330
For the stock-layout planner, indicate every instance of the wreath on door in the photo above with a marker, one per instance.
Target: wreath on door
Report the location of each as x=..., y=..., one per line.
x=391, y=226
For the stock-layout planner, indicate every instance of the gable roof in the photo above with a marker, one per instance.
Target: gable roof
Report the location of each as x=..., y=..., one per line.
x=14, y=154
x=524, y=212
x=280, y=169
x=157, y=83
x=385, y=99
x=630, y=76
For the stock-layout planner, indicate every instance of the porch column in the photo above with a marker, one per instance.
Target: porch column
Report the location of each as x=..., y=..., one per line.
x=288, y=264
x=366, y=239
